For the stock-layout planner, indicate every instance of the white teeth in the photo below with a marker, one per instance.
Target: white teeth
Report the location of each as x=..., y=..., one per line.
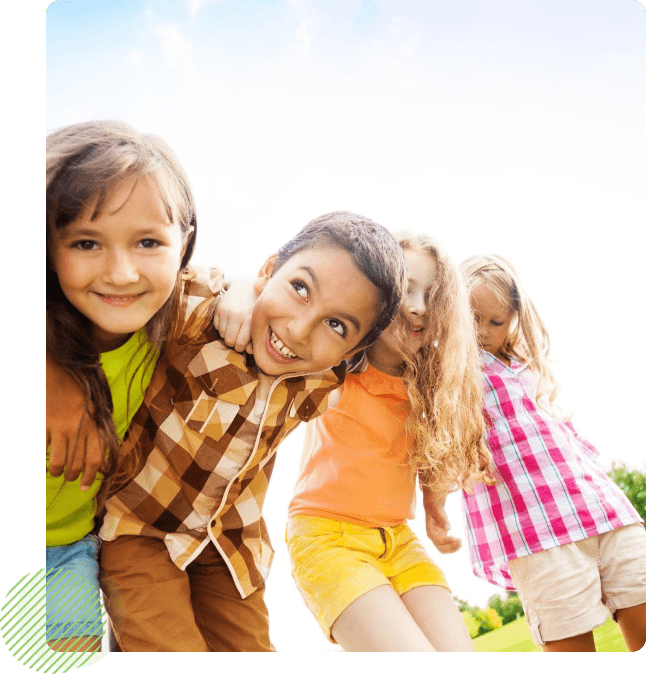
x=280, y=347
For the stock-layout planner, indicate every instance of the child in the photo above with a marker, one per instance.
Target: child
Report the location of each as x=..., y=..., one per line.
x=120, y=227
x=406, y=410
x=554, y=525
x=185, y=549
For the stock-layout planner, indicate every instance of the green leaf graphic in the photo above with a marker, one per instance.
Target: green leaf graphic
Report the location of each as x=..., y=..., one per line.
x=22, y=624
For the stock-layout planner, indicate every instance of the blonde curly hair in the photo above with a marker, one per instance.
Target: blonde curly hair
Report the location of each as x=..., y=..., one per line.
x=444, y=383
x=527, y=340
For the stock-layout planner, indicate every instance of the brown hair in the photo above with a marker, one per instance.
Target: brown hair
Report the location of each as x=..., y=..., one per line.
x=444, y=383
x=373, y=249
x=86, y=162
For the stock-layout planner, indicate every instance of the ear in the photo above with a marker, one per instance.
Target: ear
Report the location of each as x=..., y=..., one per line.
x=349, y=355
x=187, y=239
x=264, y=274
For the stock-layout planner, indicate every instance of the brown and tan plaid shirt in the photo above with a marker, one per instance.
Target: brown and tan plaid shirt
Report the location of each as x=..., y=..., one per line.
x=208, y=430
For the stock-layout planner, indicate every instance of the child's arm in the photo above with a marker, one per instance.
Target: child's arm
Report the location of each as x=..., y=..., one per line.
x=437, y=523
x=74, y=443
x=232, y=318
x=310, y=428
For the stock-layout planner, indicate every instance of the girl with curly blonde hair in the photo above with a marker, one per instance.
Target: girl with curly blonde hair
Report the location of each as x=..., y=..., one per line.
x=409, y=410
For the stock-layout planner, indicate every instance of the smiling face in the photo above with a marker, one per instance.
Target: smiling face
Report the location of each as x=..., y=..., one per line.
x=493, y=320
x=408, y=330
x=120, y=268
x=312, y=312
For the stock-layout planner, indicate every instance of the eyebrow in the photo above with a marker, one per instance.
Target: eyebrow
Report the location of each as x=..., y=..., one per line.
x=67, y=233
x=347, y=317
x=497, y=317
x=313, y=276
x=412, y=282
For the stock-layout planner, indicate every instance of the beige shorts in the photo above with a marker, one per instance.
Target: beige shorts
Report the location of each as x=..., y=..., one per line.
x=571, y=589
x=334, y=563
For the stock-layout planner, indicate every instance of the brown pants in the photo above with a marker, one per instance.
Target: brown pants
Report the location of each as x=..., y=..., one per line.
x=154, y=606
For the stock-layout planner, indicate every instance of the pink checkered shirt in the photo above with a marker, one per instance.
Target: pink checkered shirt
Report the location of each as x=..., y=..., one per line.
x=549, y=490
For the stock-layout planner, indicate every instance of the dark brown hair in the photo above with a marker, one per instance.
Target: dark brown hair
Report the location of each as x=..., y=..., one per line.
x=373, y=249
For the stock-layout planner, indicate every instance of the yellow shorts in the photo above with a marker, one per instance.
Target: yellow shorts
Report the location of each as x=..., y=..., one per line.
x=334, y=563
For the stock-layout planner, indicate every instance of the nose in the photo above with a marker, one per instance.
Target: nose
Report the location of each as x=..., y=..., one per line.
x=300, y=328
x=416, y=303
x=120, y=269
x=482, y=333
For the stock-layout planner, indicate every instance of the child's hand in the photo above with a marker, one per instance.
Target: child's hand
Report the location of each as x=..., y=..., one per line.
x=232, y=318
x=440, y=538
x=437, y=524
x=74, y=444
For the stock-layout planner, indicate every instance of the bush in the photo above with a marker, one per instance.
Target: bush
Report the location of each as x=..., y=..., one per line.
x=508, y=609
x=478, y=621
x=492, y=618
x=633, y=484
x=473, y=626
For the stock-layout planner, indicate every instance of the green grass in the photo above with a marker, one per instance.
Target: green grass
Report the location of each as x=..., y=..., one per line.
x=515, y=637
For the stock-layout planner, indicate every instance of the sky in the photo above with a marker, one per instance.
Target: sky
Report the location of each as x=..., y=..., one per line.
x=505, y=126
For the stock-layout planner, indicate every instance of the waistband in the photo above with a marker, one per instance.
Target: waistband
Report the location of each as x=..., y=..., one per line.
x=303, y=525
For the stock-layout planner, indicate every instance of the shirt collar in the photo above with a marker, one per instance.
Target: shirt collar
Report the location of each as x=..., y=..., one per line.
x=379, y=384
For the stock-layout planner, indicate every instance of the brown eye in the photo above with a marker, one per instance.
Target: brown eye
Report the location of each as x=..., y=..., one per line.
x=149, y=243
x=85, y=245
x=337, y=326
x=301, y=289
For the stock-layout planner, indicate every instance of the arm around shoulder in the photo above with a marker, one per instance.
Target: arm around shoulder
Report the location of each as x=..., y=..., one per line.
x=74, y=443
x=201, y=288
x=232, y=318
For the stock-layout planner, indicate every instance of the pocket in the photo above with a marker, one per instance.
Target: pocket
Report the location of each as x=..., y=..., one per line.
x=308, y=404
x=93, y=545
x=520, y=570
x=217, y=386
x=305, y=549
x=210, y=416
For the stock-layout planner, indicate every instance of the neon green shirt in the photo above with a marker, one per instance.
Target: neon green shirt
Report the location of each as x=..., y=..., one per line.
x=70, y=511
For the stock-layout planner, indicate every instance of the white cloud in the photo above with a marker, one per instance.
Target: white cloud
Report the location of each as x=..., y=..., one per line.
x=194, y=6
x=303, y=42
x=134, y=58
x=299, y=4
x=174, y=44
x=411, y=47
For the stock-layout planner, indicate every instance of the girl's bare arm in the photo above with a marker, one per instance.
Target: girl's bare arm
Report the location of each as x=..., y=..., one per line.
x=74, y=444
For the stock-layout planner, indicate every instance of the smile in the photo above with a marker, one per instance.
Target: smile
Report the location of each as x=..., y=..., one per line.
x=119, y=300
x=278, y=350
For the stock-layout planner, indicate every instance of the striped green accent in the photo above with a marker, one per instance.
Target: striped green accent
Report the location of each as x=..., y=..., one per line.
x=23, y=627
